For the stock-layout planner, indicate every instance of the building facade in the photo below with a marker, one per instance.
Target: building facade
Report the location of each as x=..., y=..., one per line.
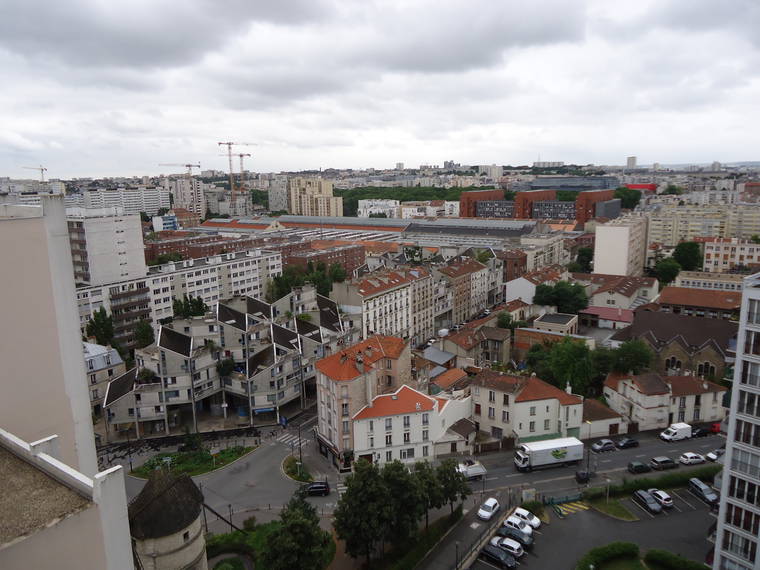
x=103, y=364
x=313, y=197
x=133, y=199
x=620, y=247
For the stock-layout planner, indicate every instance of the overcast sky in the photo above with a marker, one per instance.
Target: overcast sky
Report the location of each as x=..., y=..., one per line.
x=99, y=88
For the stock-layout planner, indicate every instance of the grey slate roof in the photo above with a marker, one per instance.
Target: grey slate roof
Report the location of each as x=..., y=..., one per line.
x=166, y=505
x=255, y=306
x=230, y=316
x=120, y=386
x=329, y=317
x=437, y=355
x=175, y=341
x=284, y=337
x=262, y=359
x=308, y=330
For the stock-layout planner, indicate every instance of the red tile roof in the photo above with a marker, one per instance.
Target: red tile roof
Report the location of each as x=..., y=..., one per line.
x=460, y=267
x=405, y=400
x=537, y=389
x=690, y=385
x=515, y=305
x=594, y=410
x=466, y=338
x=548, y=274
x=342, y=365
x=686, y=296
x=610, y=313
x=387, y=280
x=445, y=380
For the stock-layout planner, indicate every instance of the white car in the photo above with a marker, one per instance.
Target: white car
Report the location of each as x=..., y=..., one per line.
x=713, y=455
x=690, y=458
x=519, y=524
x=527, y=516
x=509, y=545
x=661, y=497
x=487, y=509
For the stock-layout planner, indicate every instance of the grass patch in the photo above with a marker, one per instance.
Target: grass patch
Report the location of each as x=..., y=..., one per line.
x=613, y=508
x=191, y=462
x=601, y=556
x=623, y=564
x=291, y=468
x=240, y=542
x=235, y=563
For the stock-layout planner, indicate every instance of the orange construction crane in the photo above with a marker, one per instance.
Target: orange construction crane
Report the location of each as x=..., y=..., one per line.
x=41, y=168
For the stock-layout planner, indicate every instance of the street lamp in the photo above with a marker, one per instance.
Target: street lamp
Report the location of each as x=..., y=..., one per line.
x=456, y=545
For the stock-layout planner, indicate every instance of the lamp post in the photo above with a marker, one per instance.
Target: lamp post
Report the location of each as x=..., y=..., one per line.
x=300, y=450
x=456, y=545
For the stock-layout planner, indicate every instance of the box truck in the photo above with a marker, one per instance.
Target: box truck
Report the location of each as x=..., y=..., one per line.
x=471, y=469
x=548, y=453
x=676, y=432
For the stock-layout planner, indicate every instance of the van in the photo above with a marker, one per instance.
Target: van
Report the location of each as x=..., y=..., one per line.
x=676, y=432
x=703, y=491
x=662, y=463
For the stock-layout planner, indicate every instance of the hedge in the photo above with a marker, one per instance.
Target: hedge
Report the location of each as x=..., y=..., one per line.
x=669, y=561
x=665, y=481
x=597, y=556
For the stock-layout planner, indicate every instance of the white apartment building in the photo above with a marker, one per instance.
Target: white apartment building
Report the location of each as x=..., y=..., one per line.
x=378, y=206
x=736, y=538
x=707, y=280
x=426, y=209
x=189, y=193
x=621, y=246
x=313, y=197
x=405, y=426
x=673, y=224
x=106, y=246
x=103, y=364
x=132, y=199
x=543, y=250
x=724, y=254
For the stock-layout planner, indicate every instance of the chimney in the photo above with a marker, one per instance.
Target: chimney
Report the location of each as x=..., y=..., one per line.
x=568, y=389
x=418, y=406
x=343, y=358
x=360, y=363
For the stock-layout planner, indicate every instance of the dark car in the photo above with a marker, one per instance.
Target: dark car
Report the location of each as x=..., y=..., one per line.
x=582, y=476
x=638, y=467
x=661, y=463
x=497, y=557
x=700, y=432
x=317, y=488
x=511, y=532
x=703, y=491
x=647, y=501
x=627, y=442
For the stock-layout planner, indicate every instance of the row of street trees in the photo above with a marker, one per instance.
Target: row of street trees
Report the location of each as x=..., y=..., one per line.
x=386, y=504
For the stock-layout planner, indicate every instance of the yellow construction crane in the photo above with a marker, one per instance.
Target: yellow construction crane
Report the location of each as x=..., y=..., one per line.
x=229, y=146
x=41, y=168
x=188, y=166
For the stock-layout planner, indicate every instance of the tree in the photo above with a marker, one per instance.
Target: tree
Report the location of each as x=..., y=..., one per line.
x=584, y=258
x=483, y=256
x=667, y=270
x=688, y=254
x=362, y=514
x=189, y=307
x=304, y=317
x=570, y=363
x=632, y=356
x=100, y=326
x=144, y=334
x=602, y=359
x=405, y=501
x=337, y=273
x=429, y=486
x=299, y=542
x=673, y=189
x=225, y=367
x=144, y=217
x=574, y=267
x=537, y=361
x=567, y=297
x=544, y=295
x=453, y=484
x=505, y=321
x=755, y=238
x=629, y=197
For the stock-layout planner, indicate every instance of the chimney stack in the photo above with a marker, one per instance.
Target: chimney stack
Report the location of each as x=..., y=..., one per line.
x=360, y=363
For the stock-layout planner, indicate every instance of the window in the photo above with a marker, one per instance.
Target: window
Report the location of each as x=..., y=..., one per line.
x=389, y=439
x=505, y=416
x=477, y=409
x=696, y=415
x=424, y=451
x=406, y=437
x=681, y=415
x=424, y=435
x=93, y=378
x=344, y=410
x=491, y=413
x=533, y=410
x=546, y=425
x=345, y=426
x=94, y=394
x=532, y=426
x=491, y=396
x=506, y=400
x=371, y=426
x=389, y=456
x=388, y=424
x=425, y=419
x=682, y=402
x=407, y=453
x=406, y=421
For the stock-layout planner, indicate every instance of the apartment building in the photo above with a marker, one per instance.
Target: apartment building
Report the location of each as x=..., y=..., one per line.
x=618, y=291
x=103, y=364
x=132, y=200
x=188, y=192
x=621, y=245
x=468, y=201
x=376, y=206
x=313, y=197
x=350, y=257
x=470, y=282
x=106, y=246
x=349, y=380
x=726, y=254
x=211, y=279
x=736, y=538
x=523, y=407
x=544, y=249
x=700, y=302
x=672, y=224
x=406, y=425
x=708, y=280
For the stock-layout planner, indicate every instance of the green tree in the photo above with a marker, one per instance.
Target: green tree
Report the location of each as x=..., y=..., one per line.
x=429, y=486
x=544, y=295
x=337, y=273
x=100, y=326
x=144, y=334
x=666, y=270
x=144, y=217
x=584, y=258
x=755, y=238
x=574, y=267
x=570, y=362
x=629, y=197
x=633, y=355
x=673, y=189
x=405, y=501
x=537, y=361
x=304, y=317
x=688, y=254
x=483, y=256
x=225, y=367
x=362, y=514
x=298, y=542
x=505, y=321
x=189, y=307
x=453, y=484
x=602, y=359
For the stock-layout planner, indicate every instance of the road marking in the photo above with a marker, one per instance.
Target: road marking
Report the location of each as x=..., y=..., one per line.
x=486, y=562
x=651, y=516
x=676, y=507
x=491, y=478
x=642, y=455
x=474, y=525
x=693, y=508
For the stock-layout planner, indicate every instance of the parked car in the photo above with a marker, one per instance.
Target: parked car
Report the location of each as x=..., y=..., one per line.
x=317, y=488
x=603, y=445
x=662, y=463
x=509, y=532
x=703, y=491
x=509, y=545
x=661, y=497
x=497, y=557
x=627, y=442
x=714, y=454
x=638, y=467
x=690, y=458
x=527, y=516
x=487, y=509
x=647, y=501
x=518, y=524
x=699, y=432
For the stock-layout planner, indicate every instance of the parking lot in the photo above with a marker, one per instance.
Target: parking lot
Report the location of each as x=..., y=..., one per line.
x=682, y=530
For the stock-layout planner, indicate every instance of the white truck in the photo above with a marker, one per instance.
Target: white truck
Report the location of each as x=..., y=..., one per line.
x=548, y=453
x=471, y=469
x=676, y=432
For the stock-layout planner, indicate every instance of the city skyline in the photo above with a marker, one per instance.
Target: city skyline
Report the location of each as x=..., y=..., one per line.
x=97, y=92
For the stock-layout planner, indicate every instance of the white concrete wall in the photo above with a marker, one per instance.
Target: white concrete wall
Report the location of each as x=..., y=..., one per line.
x=175, y=551
x=611, y=250
x=519, y=288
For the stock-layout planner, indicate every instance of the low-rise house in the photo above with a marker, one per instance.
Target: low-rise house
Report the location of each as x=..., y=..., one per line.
x=606, y=317
x=525, y=337
x=700, y=302
x=406, y=425
x=600, y=420
x=524, y=287
x=622, y=291
x=103, y=364
x=562, y=323
x=454, y=381
x=651, y=401
x=479, y=346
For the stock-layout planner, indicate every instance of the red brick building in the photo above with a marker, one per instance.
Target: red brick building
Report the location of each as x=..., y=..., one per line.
x=468, y=201
x=524, y=201
x=349, y=256
x=515, y=263
x=585, y=203
x=194, y=246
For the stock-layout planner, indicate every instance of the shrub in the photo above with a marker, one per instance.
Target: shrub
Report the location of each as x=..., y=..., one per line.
x=249, y=523
x=535, y=507
x=230, y=564
x=291, y=468
x=666, y=481
x=597, y=556
x=669, y=561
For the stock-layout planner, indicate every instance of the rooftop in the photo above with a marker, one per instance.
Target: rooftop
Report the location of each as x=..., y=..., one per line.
x=342, y=366
x=594, y=410
x=610, y=313
x=166, y=505
x=556, y=318
x=691, y=385
x=449, y=378
x=536, y=389
x=686, y=296
x=405, y=400
x=460, y=267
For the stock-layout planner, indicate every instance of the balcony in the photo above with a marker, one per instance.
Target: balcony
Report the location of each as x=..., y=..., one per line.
x=130, y=293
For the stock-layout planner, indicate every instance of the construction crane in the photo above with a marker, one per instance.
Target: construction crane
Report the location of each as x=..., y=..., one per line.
x=188, y=166
x=41, y=168
x=229, y=146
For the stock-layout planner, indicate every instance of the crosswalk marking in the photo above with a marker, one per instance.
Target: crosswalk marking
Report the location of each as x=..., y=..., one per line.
x=292, y=439
x=570, y=508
